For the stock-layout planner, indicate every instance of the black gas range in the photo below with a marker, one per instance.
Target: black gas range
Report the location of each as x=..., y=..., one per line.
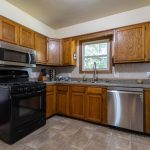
x=22, y=105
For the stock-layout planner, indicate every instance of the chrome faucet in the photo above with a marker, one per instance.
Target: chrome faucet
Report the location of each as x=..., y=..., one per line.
x=95, y=76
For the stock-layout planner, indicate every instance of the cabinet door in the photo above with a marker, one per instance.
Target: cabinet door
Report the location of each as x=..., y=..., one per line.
x=129, y=44
x=50, y=104
x=26, y=37
x=9, y=31
x=62, y=103
x=54, y=52
x=50, y=100
x=66, y=51
x=104, y=106
x=147, y=42
x=41, y=48
x=94, y=108
x=73, y=52
x=77, y=104
x=147, y=110
x=69, y=50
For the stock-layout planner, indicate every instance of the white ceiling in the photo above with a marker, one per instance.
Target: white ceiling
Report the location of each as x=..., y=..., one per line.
x=62, y=13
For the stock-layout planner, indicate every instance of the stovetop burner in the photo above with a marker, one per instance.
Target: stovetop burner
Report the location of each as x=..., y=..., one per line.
x=19, y=82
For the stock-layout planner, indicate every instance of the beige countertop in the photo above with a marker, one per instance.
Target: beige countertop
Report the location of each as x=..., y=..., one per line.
x=102, y=83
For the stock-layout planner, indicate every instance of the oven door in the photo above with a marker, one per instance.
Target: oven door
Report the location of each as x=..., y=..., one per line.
x=28, y=107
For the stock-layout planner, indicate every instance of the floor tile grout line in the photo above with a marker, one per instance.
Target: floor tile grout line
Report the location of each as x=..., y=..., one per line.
x=109, y=142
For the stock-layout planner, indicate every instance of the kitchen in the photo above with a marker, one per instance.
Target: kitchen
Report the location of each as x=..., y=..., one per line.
x=94, y=75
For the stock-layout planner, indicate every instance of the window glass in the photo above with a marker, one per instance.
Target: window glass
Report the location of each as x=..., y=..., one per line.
x=96, y=51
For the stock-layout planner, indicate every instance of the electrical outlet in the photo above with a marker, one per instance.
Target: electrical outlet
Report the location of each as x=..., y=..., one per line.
x=148, y=74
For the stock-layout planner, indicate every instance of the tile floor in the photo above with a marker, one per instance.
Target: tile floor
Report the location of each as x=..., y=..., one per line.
x=61, y=133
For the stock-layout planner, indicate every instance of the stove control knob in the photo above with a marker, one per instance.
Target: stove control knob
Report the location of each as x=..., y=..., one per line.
x=26, y=89
x=20, y=90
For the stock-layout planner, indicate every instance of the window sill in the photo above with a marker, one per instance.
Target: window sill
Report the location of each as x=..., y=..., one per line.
x=98, y=71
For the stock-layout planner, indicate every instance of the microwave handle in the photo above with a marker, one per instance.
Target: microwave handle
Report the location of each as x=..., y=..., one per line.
x=29, y=58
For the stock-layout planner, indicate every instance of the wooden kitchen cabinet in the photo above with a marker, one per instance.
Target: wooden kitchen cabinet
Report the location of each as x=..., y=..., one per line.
x=104, y=106
x=9, y=31
x=69, y=51
x=54, y=52
x=94, y=105
x=26, y=37
x=50, y=100
x=77, y=101
x=147, y=42
x=41, y=48
x=130, y=44
x=62, y=98
x=147, y=110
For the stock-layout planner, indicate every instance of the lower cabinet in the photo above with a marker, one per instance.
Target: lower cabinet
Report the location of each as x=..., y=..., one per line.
x=50, y=100
x=62, y=98
x=94, y=108
x=95, y=101
x=77, y=101
x=88, y=103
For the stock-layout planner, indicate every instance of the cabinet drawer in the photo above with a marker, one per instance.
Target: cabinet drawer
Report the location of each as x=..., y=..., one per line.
x=49, y=88
x=94, y=90
x=78, y=89
x=62, y=88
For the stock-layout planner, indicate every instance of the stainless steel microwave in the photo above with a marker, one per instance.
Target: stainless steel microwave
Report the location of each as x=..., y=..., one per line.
x=15, y=55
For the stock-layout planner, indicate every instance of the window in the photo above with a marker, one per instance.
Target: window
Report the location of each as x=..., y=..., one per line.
x=96, y=51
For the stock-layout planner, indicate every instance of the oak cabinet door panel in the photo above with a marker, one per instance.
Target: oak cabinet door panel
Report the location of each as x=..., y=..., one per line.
x=41, y=48
x=26, y=37
x=94, y=108
x=77, y=104
x=129, y=44
x=9, y=31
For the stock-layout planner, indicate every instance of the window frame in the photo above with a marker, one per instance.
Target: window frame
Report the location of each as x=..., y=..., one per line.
x=81, y=42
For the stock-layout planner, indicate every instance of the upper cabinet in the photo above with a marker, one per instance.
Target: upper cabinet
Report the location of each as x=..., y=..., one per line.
x=147, y=42
x=26, y=37
x=41, y=48
x=9, y=31
x=130, y=44
x=54, y=52
x=69, y=51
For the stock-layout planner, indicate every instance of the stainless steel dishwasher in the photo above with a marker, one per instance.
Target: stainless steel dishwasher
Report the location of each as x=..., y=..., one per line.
x=125, y=108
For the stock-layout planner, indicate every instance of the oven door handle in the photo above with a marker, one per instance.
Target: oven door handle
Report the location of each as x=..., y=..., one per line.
x=41, y=91
x=36, y=93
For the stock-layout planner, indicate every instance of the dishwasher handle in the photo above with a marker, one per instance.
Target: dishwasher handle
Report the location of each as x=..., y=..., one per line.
x=126, y=92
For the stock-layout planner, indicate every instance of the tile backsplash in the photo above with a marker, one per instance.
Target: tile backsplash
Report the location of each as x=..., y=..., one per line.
x=123, y=71
x=120, y=71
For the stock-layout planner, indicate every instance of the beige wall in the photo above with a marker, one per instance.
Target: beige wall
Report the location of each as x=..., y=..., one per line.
x=125, y=71
x=131, y=70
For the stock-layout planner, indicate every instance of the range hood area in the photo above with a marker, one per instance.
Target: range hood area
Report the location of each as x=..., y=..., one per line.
x=15, y=55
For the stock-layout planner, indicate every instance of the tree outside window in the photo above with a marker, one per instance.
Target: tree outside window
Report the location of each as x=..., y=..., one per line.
x=96, y=51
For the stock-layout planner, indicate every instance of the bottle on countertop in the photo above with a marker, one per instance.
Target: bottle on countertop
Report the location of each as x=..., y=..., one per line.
x=84, y=78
